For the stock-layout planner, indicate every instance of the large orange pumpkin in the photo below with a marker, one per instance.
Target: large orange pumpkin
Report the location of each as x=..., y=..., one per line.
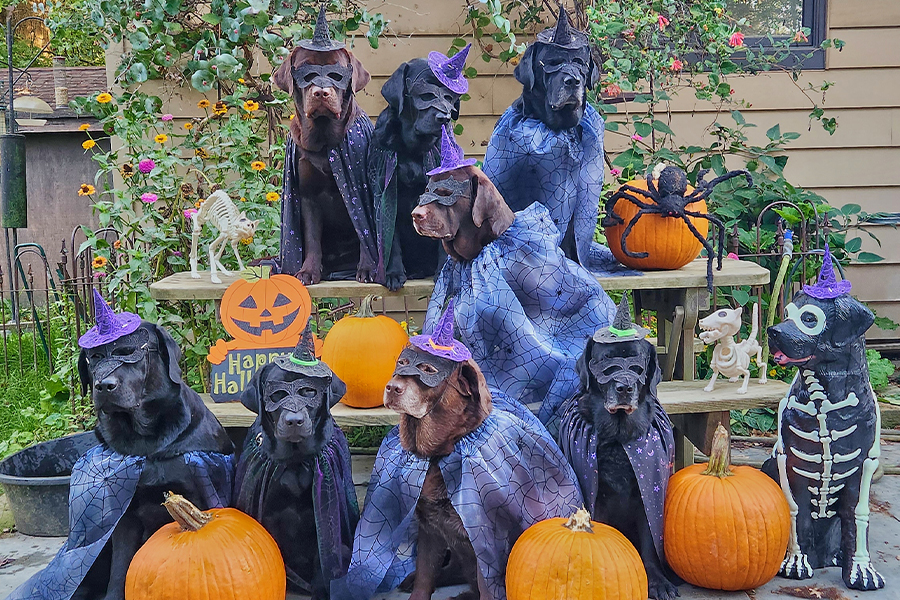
x=725, y=528
x=222, y=554
x=362, y=350
x=265, y=309
x=667, y=240
x=574, y=559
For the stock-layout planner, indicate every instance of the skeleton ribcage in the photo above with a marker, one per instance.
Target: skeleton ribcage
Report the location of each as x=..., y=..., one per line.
x=219, y=211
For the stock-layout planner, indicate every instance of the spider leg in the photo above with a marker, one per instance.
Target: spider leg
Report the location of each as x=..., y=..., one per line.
x=614, y=219
x=718, y=223
x=654, y=193
x=710, y=251
x=725, y=177
x=631, y=225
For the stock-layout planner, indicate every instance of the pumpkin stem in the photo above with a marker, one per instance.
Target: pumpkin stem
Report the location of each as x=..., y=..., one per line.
x=580, y=521
x=720, y=456
x=365, y=308
x=186, y=514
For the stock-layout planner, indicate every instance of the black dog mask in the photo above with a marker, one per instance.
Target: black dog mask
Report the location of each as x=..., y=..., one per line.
x=293, y=410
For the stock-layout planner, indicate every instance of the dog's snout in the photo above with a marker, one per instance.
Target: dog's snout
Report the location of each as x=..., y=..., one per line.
x=108, y=384
x=323, y=93
x=419, y=213
x=394, y=387
x=293, y=419
x=442, y=118
x=624, y=388
x=571, y=81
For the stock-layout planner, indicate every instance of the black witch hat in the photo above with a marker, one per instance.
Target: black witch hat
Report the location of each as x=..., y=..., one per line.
x=563, y=35
x=321, y=40
x=303, y=358
x=622, y=328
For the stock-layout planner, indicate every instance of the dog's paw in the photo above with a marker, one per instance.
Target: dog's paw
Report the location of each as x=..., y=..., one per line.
x=394, y=282
x=863, y=576
x=663, y=589
x=796, y=566
x=365, y=274
x=309, y=276
x=710, y=386
x=733, y=379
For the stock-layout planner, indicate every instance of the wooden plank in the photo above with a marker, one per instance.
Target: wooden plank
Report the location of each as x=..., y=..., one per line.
x=854, y=13
x=181, y=286
x=843, y=167
x=866, y=47
x=677, y=397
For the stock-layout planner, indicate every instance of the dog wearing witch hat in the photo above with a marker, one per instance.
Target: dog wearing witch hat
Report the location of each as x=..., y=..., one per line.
x=326, y=216
x=619, y=440
x=154, y=436
x=294, y=473
x=828, y=443
x=464, y=474
x=423, y=97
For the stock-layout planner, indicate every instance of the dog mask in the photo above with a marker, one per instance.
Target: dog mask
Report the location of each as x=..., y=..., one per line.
x=431, y=370
x=423, y=104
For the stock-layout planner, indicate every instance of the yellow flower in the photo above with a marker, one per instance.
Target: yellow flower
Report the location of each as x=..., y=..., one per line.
x=273, y=197
x=257, y=165
x=161, y=138
x=250, y=105
x=220, y=108
x=188, y=126
x=88, y=144
x=117, y=244
x=773, y=373
x=84, y=127
x=515, y=60
x=405, y=326
x=291, y=118
x=203, y=103
x=127, y=170
x=104, y=98
x=198, y=203
x=243, y=199
x=99, y=262
x=240, y=80
x=201, y=153
x=247, y=241
x=86, y=189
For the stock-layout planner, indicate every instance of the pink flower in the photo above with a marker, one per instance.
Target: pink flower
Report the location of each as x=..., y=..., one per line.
x=98, y=274
x=736, y=40
x=662, y=22
x=799, y=37
x=167, y=117
x=637, y=137
x=733, y=256
x=676, y=65
x=146, y=165
x=189, y=212
x=176, y=253
x=149, y=197
x=615, y=172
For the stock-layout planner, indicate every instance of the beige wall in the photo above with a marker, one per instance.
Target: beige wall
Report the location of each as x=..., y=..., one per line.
x=860, y=163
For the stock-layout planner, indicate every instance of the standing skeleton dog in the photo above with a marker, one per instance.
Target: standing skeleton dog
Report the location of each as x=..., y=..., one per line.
x=219, y=211
x=730, y=358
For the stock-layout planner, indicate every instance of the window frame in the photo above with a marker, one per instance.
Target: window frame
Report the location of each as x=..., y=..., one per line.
x=815, y=17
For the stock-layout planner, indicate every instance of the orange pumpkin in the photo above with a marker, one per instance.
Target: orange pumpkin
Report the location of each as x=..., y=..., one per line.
x=725, y=528
x=264, y=309
x=667, y=240
x=222, y=554
x=575, y=559
x=362, y=350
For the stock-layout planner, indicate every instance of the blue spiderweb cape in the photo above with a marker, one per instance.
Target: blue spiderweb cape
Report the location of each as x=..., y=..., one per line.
x=502, y=478
x=563, y=170
x=348, y=165
x=102, y=485
x=525, y=311
x=334, y=499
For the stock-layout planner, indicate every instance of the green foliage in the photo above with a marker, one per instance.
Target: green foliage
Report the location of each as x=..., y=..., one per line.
x=753, y=420
x=880, y=369
x=72, y=35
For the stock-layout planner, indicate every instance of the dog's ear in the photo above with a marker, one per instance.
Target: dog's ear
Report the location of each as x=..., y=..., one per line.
x=454, y=112
x=852, y=320
x=472, y=381
x=84, y=373
x=655, y=373
x=360, y=77
x=593, y=77
x=394, y=89
x=525, y=69
x=489, y=207
x=283, y=77
x=251, y=397
x=168, y=351
x=581, y=365
x=336, y=390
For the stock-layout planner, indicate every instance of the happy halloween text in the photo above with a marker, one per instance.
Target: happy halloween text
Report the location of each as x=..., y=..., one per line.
x=231, y=375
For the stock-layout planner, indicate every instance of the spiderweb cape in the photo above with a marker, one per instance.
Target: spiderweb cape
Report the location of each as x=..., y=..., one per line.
x=651, y=456
x=502, y=478
x=525, y=311
x=334, y=499
x=348, y=165
x=102, y=485
x=563, y=170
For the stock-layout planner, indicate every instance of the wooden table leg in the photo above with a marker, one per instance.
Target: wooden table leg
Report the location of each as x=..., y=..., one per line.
x=696, y=430
x=691, y=307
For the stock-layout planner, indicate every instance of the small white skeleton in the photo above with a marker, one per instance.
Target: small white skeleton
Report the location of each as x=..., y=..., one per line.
x=219, y=211
x=730, y=358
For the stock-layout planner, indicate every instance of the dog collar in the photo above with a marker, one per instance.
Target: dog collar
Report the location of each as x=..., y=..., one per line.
x=452, y=190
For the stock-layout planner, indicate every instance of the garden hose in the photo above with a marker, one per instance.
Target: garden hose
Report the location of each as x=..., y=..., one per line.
x=786, y=251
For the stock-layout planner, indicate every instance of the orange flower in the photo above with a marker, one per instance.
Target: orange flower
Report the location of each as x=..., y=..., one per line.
x=203, y=103
x=86, y=189
x=161, y=138
x=104, y=98
x=220, y=108
x=201, y=153
x=188, y=125
x=117, y=244
x=99, y=262
x=257, y=165
x=84, y=127
x=250, y=105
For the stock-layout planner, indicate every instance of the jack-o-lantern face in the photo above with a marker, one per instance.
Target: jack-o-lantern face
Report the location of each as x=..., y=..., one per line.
x=266, y=311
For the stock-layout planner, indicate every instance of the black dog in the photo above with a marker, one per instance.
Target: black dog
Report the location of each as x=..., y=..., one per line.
x=617, y=415
x=294, y=474
x=144, y=409
x=404, y=147
x=828, y=432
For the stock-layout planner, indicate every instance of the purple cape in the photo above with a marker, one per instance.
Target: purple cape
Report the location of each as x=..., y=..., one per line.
x=102, y=485
x=652, y=457
x=348, y=165
x=502, y=478
x=334, y=499
x=525, y=311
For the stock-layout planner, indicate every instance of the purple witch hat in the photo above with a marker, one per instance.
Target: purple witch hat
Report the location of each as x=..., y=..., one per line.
x=452, y=156
x=109, y=325
x=827, y=286
x=441, y=342
x=449, y=71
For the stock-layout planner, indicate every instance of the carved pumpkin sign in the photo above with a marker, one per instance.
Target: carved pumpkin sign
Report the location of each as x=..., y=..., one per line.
x=265, y=309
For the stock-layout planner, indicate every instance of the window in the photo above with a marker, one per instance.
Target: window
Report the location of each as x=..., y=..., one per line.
x=783, y=19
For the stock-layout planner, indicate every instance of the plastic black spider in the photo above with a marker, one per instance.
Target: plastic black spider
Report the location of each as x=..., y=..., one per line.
x=668, y=198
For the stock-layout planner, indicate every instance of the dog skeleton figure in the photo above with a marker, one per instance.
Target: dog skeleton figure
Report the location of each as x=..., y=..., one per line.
x=219, y=211
x=828, y=432
x=730, y=358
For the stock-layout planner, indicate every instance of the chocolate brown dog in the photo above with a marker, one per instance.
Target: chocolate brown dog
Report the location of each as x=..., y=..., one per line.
x=326, y=227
